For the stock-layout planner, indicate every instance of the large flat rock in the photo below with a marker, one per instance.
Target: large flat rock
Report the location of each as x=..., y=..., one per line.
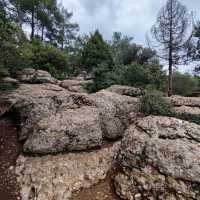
x=57, y=177
x=52, y=119
x=160, y=155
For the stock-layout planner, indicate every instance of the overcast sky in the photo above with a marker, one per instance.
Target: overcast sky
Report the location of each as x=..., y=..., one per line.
x=131, y=17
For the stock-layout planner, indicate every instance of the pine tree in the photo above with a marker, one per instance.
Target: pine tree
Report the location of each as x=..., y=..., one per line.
x=171, y=34
x=96, y=52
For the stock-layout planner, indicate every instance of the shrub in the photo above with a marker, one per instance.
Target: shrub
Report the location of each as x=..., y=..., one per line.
x=45, y=57
x=153, y=103
x=95, y=52
x=184, y=84
x=3, y=71
x=135, y=75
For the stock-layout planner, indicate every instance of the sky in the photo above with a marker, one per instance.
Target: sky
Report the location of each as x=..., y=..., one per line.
x=133, y=18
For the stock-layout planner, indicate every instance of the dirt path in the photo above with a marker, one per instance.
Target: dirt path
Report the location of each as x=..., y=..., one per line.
x=9, y=150
x=102, y=191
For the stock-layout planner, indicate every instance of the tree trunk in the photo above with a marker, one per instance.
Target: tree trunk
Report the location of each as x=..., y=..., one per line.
x=42, y=37
x=170, y=90
x=32, y=24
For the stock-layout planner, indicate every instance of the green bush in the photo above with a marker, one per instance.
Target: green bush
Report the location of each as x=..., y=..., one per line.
x=135, y=75
x=153, y=103
x=95, y=52
x=3, y=71
x=184, y=84
x=45, y=57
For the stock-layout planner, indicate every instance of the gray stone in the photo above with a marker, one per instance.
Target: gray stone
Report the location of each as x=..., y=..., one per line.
x=75, y=85
x=57, y=177
x=185, y=101
x=125, y=90
x=160, y=155
x=29, y=75
x=53, y=120
x=71, y=129
x=114, y=111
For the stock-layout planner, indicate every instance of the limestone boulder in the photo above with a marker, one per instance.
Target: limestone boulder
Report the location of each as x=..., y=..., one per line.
x=26, y=75
x=115, y=112
x=8, y=83
x=75, y=85
x=57, y=177
x=52, y=119
x=185, y=101
x=125, y=90
x=67, y=130
x=43, y=77
x=29, y=75
x=189, y=113
x=160, y=160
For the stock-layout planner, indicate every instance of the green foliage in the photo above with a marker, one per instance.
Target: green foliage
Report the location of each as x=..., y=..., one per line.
x=153, y=103
x=9, y=43
x=103, y=78
x=184, y=84
x=134, y=66
x=143, y=75
x=3, y=71
x=95, y=52
x=132, y=75
x=45, y=57
x=126, y=52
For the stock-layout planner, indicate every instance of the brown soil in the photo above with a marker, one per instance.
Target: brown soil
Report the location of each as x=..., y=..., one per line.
x=101, y=191
x=9, y=150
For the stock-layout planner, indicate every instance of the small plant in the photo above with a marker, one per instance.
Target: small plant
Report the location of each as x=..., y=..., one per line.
x=153, y=103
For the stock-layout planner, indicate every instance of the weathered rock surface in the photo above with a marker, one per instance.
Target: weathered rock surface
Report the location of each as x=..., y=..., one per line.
x=8, y=83
x=75, y=85
x=53, y=119
x=29, y=75
x=160, y=160
x=188, y=110
x=125, y=90
x=114, y=111
x=56, y=177
x=9, y=80
x=187, y=113
x=185, y=101
x=70, y=129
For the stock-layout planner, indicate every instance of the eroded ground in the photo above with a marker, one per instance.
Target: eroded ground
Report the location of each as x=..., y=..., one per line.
x=9, y=150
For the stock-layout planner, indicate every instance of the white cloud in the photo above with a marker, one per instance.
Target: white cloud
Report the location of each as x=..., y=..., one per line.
x=131, y=17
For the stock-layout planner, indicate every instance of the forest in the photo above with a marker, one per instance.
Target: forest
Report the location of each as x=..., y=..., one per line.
x=40, y=34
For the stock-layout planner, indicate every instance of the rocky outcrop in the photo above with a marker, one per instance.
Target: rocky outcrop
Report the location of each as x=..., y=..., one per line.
x=57, y=177
x=186, y=108
x=187, y=113
x=67, y=130
x=54, y=120
x=185, y=101
x=189, y=110
x=160, y=160
x=125, y=90
x=29, y=75
x=159, y=156
x=8, y=84
x=75, y=85
x=114, y=111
